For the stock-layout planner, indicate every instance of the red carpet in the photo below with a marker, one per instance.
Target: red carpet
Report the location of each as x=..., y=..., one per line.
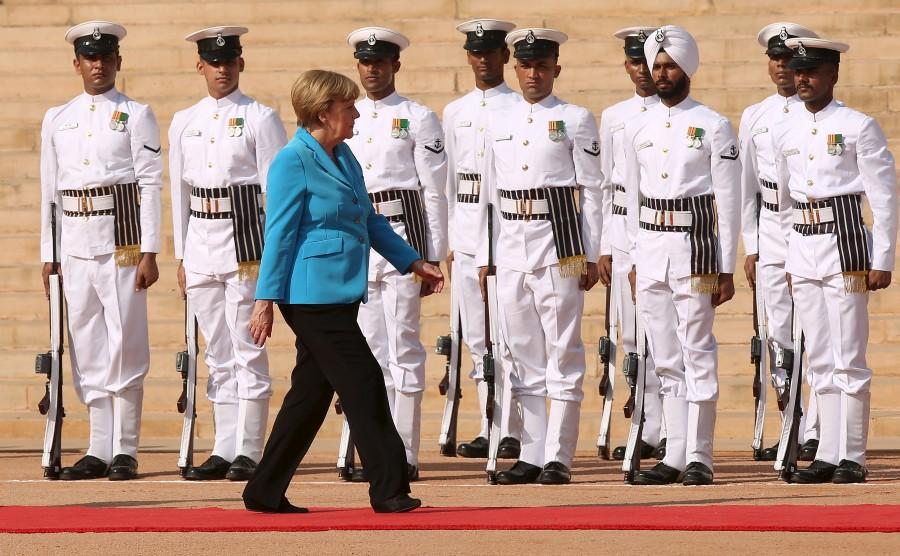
x=82, y=519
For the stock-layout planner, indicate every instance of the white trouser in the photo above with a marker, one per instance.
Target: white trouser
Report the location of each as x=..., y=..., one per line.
x=540, y=318
x=653, y=419
x=779, y=312
x=464, y=280
x=238, y=368
x=390, y=322
x=679, y=326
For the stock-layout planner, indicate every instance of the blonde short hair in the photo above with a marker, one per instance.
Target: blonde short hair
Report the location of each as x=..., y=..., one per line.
x=315, y=90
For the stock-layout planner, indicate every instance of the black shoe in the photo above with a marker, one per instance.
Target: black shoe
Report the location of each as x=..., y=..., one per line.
x=769, y=454
x=818, y=472
x=509, y=448
x=123, y=468
x=87, y=467
x=478, y=448
x=519, y=474
x=412, y=472
x=213, y=469
x=697, y=474
x=397, y=504
x=359, y=476
x=284, y=508
x=241, y=469
x=659, y=474
x=555, y=473
x=646, y=451
x=849, y=472
x=808, y=450
x=660, y=451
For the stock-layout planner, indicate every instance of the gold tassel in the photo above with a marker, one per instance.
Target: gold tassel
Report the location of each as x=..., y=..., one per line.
x=855, y=282
x=248, y=270
x=705, y=283
x=573, y=267
x=128, y=255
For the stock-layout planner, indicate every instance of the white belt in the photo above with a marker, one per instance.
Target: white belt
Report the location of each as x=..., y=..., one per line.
x=620, y=199
x=88, y=204
x=679, y=218
x=822, y=215
x=769, y=195
x=211, y=205
x=390, y=208
x=468, y=187
x=524, y=206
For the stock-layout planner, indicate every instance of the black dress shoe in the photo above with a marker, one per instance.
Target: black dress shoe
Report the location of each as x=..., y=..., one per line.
x=697, y=474
x=659, y=474
x=241, y=469
x=646, y=451
x=509, y=448
x=769, y=454
x=359, y=475
x=818, y=472
x=213, y=469
x=123, y=468
x=478, y=448
x=87, y=467
x=284, y=508
x=809, y=449
x=397, y=504
x=555, y=473
x=412, y=472
x=519, y=474
x=849, y=472
x=660, y=451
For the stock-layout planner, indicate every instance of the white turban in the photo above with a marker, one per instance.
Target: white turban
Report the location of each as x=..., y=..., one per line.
x=678, y=43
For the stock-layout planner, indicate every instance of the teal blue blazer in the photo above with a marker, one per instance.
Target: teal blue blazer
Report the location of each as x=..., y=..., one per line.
x=320, y=225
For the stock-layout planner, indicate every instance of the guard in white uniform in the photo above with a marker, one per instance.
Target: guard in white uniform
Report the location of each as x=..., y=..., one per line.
x=541, y=174
x=466, y=120
x=219, y=154
x=766, y=219
x=101, y=166
x=614, y=255
x=400, y=146
x=831, y=157
x=682, y=179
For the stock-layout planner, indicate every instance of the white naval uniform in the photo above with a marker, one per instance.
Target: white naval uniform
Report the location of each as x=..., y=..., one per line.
x=768, y=237
x=540, y=311
x=660, y=165
x=614, y=241
x=390, y=317
x=110, y=347
x=465, y=120
x=207, y=152
x=835, y=322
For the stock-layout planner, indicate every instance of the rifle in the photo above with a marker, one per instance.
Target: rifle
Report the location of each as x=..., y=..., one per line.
x=49, y=364
x=491, y=342
x=635, y=374
x=346, y=453
x=449, y=346
x=186, y=365
x=789, y=447
x=606, y=355
x=759, y=354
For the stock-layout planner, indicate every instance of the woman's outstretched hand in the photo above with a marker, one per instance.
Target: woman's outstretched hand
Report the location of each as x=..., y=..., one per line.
x=432, y=278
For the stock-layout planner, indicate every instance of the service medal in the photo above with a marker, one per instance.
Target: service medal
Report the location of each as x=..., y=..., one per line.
x=400, y=128
x=556, y=130
x=118, y=121
x=835, y=144
x=694, y=137
x=235, y=127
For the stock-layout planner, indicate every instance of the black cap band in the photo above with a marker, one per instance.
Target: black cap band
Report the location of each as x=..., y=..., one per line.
x=776, y=46
x=215, y=49
x=367, y=50
x=96, y=44
x=806, y=57
x=634, y=46
x=538, y=48
x=488, y=40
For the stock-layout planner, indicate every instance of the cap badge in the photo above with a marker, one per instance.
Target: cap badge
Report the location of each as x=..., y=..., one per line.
x=660, y=35
x=642, y=36
x=479, y=30
x=801, y=50
x=372, y=40
x=529, y=38
x=219, y=40
x=783, y=35
x=96, y=34
x=556, y=130
x=695, y=137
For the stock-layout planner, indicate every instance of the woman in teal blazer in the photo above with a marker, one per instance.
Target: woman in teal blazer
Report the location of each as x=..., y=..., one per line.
x=319, y=228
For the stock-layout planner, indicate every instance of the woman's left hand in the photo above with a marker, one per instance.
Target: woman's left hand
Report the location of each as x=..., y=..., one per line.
x=432, y=278
x=261, y=322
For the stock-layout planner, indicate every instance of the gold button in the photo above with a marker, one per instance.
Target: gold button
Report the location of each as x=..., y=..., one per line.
x=811, y=157
x=212, y=139
x=209, y=164
x=665, y=175
x=215, y=116
x=93, y=107
x=480, y=153
x=643, y=108
x=809, y=183
x=89, y=134
x=665, y=150
x=524, y=167
x=785, y=110
x=368, y=165
x=530, y=119
x=480, y=130
x=525, y=142
x=814, y=131
x=86, y=162
x=369, y=140
x=374, y=114
x=484, y=103
x=668, y=124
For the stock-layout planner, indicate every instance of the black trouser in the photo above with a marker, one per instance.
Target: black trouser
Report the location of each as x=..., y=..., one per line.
x=332, y=356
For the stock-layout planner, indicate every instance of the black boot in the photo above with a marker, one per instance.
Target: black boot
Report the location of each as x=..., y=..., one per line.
x=697, y=474
x=770, y=453
x=519, y=474
x=478, y=448
x=213, y=469
x=87, y=467
x=818, y=472
x=809, y=449
x=123, y=468
x=241, y=469
x=849, y=472
x=660, y=474
x=555, y=473
x=509, y=448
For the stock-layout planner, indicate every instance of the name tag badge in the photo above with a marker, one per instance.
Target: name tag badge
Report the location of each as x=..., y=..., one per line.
x=616, y=128
x=503, y=137
x=70, y=125
x=644, y=145
x=759, y=130
x=193, y=133
x=464, y=123
x=790, y=152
